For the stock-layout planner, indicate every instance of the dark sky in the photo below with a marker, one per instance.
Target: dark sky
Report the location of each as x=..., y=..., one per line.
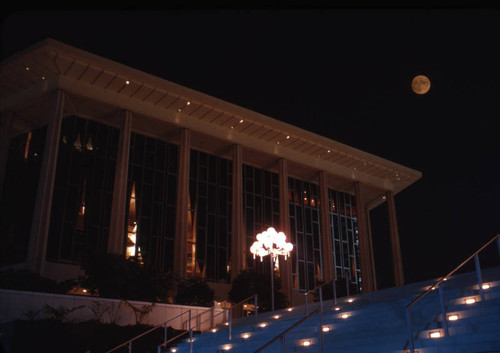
x=344, y=74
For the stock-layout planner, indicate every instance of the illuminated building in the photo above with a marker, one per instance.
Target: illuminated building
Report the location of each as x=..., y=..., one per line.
x=96, y=155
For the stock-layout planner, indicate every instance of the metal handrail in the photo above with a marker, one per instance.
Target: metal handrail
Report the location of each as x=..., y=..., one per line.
x=282, y=334
x=437, y=284
x=320, y=288
x=165, y=344
x=145, y=333
x=231, y=310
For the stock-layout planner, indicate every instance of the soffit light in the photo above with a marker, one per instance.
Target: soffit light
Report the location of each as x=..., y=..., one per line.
x=272, y=243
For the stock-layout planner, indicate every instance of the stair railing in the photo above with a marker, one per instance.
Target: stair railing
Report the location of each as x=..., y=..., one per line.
x=164, y=325
x=282, y=335
x=236, y=310
x=438, y=285
x=320, y=289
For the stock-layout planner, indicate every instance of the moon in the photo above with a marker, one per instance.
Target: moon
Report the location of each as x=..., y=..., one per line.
x=420, y=84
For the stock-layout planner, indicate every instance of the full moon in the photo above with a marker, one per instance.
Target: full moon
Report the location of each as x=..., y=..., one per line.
x=420, y=84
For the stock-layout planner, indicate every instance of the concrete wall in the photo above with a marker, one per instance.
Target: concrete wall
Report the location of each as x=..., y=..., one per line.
x=15, y=305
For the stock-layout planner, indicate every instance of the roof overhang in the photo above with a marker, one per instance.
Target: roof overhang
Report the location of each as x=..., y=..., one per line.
x=97, y=86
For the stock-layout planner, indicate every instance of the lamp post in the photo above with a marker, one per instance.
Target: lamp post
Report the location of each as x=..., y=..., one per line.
x=273, y=243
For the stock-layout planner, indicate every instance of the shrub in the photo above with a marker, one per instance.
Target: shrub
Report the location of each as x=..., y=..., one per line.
x=194, y=291
x=113, y=276
x=250, y=282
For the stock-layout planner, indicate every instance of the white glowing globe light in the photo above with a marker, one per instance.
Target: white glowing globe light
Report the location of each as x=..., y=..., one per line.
x=288, y=247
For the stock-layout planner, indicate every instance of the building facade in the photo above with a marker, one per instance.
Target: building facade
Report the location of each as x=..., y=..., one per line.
x=96, y=155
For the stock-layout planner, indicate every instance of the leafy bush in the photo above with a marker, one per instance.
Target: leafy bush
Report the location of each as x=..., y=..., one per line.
x=250, y=282
x=27, y=281
x=113, y=276
x=194, y=291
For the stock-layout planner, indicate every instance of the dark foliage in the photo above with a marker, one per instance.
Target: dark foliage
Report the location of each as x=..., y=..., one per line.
x=194, y=291
x=27, y=281
x=113, y=276
x=250, y=282
x=53, y=336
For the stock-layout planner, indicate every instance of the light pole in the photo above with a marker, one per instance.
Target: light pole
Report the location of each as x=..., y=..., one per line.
x=273, y=243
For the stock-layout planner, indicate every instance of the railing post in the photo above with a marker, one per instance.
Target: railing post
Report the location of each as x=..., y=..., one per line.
x=190, y=334
x=479, y=277
x=256, y=310
x=212, y=320
x=283, y=343
x=130, y=347
x=410, y=328
x=305, y=304
x=165, y=333
x=443, y=310
x=347, y=286
x=230, y=324
x=334, y=291
x=321, y=299
x=498, y=244
x=321, y=337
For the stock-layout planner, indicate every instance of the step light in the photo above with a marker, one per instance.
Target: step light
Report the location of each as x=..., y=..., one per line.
x=336, y=308
x=245, y=335
x=435, y=334
x=306, y=343
x=262, y=324
x=276, y=317
x=173, y=350
x=289, y=309
x=486, y=286
x=227, y=347
x=214, y=330
x=325, y=328
x=344, y=316
x=453, y=317
x=470, y=301
x=350, y=300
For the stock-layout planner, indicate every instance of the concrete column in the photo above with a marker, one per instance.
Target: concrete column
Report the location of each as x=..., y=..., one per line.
x=364, y=242
x=37, y=246
x=6, y=120
x=117, y=232
x=326, y=229
x=181, y=224
x=285, y=266
x=396, y=249
x=238, y=243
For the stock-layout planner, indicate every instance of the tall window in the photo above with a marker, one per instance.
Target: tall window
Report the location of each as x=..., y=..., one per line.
x=260, y=207
x=151, y=201
x=344, y=225
x=209, y=232
x=305, y=234
x=83, y=190
x=19, y=193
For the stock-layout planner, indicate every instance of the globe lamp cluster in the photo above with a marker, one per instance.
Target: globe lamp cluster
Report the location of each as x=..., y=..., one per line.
x=271, y=242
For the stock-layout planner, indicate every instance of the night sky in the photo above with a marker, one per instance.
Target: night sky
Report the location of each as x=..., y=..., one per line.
x=344, y=74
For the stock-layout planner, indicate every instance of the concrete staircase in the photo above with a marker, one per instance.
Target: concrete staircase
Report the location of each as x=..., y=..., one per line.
x=375, y=323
